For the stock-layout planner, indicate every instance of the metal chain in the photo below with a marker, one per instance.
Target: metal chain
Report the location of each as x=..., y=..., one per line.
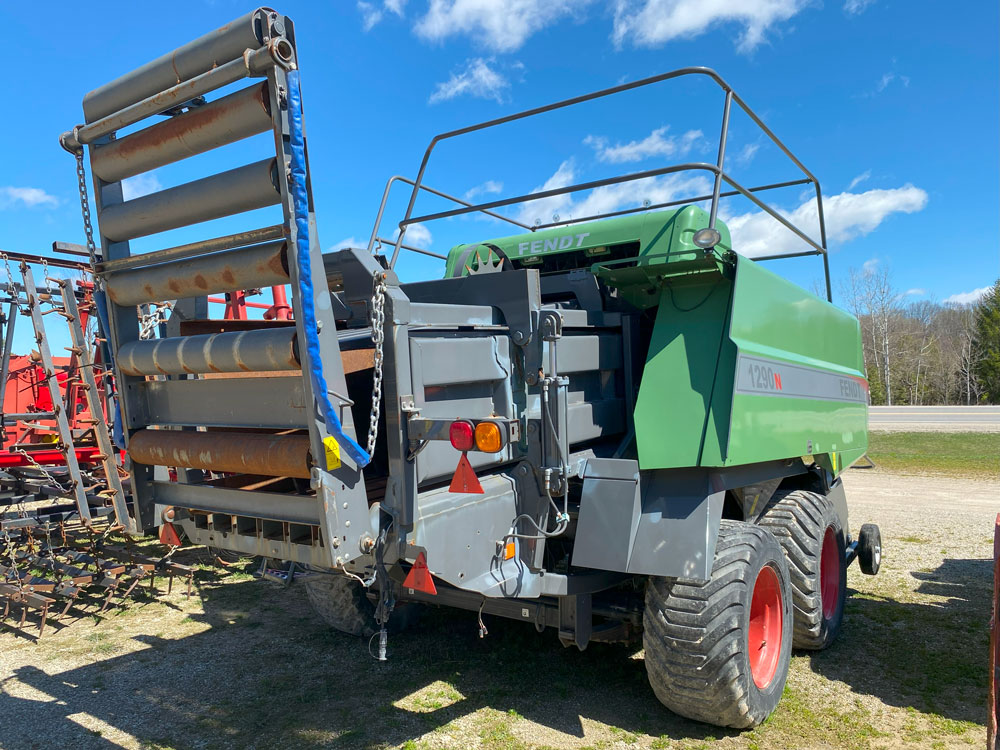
x=53, y=482
x=378, y=338
x=15, y=296
x=149, y=321
x=81, y=175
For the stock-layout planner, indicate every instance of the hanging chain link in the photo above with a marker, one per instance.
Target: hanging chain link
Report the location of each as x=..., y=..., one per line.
x=378, y=338
x=53, y=482
x=81, y=175
x=150, y=320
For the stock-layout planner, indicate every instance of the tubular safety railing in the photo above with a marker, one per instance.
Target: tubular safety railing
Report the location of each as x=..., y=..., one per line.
x=717, y=170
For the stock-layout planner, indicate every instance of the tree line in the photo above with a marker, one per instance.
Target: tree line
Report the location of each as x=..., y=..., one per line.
x=925, y=353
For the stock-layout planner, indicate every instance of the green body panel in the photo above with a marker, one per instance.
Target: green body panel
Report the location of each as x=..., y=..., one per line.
x=662, y=237
x=691, y=410
x=743, y=366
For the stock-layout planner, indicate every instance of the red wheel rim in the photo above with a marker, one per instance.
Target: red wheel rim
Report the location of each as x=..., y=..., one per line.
x=829, y=574
x=764, y=634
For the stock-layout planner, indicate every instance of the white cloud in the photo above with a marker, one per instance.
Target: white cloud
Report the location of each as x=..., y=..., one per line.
x=855, y=7
x=142, y=184
x=478, y=80
x=915, y=292
x=490, y=187
x=870, y=265
x=371, y=13
x=859, y=179
x=967, y=298
x=746, y=154
x=656, y=143
x=417, y=235
x=848, y=215
x=348, y=242
x=887, y=79
x=607, y=198
x=647, y=23
x=500, y=25
x=11, y=197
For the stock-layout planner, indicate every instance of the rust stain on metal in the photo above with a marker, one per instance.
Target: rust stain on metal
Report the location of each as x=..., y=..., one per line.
x=199, y=281
x=182, y=126
x=237, y=452
x=227, y=276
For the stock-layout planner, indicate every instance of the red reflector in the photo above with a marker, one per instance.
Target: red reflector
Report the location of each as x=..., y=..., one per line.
x=419, y=578
x=169, y=535
x=465, y=479
x=462, y=436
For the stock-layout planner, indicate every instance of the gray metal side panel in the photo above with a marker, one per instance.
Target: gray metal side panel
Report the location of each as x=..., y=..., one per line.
x=678, y=525
x=233, y=402
x=609, y=514
x=839, y=499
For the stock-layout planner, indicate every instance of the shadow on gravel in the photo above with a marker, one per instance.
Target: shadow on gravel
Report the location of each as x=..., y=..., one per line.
x=268, y=674
x=929, y=656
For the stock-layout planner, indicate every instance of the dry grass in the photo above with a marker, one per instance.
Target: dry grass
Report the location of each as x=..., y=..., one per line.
x=245, y=664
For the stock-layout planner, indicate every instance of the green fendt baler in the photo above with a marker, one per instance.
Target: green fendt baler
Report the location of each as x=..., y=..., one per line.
x=743, y=366
x=615, y=429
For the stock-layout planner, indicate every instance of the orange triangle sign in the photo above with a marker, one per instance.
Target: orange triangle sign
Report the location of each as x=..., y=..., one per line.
x=419, y=578
x=465, y=479
x=169, y=535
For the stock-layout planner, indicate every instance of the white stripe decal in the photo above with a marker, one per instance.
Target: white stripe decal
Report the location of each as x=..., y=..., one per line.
x=758, y=376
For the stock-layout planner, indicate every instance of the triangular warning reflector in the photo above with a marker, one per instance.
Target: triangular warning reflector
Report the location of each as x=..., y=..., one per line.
x=169, y=535
x=419, y=578
x=465, y=479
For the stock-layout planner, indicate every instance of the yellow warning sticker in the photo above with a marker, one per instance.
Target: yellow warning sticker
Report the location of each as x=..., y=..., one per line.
x=332, y=449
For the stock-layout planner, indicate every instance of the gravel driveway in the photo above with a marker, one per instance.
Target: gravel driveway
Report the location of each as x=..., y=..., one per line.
x=245, y=664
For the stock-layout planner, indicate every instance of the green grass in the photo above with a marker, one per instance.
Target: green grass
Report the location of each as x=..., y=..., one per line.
x=959, y=454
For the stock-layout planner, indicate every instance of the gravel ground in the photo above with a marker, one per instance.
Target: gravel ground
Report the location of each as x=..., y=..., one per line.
x=245, y=664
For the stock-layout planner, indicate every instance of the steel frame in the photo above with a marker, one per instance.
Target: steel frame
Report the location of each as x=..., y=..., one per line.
x=716, y=170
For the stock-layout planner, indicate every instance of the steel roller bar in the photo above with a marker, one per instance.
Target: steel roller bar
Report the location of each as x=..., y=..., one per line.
x=236, y=452
x=209, y=51
x=227, y=242
x=232, y=118
x=249, y=268
x=224, y=194
x=265, y=350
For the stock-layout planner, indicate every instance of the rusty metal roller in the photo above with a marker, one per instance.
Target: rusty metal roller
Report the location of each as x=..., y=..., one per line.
x=207, y=52
x=247, y=268
x=233, y=192
x=265, y=350
x=231, y=452
x=226, y=120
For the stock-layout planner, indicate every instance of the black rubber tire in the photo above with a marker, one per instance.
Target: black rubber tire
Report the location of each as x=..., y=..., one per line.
x=799, y=521
x=869, y=549
x=695, y=634
x=342, y=604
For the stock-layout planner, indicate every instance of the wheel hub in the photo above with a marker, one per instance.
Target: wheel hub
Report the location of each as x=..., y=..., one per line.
x=765, y=631
x=829, y=574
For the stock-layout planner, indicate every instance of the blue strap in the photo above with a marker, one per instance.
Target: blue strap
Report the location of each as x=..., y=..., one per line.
x=101, y=306
x=301, y=206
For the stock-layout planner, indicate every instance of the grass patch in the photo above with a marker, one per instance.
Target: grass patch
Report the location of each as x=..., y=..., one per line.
x=960, y=454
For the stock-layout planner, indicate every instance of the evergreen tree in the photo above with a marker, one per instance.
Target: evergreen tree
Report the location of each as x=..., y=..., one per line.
x=987, y=367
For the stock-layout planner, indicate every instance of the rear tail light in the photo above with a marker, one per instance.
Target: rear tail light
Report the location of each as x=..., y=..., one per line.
x=488, y=437
x=462, y=436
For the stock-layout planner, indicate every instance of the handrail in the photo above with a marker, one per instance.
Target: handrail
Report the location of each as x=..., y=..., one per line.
x=385, y=198
x=717, y=169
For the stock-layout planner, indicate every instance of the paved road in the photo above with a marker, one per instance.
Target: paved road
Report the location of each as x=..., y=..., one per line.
x=935, y=418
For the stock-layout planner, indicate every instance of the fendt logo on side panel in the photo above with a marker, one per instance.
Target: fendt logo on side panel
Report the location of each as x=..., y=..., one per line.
x=550, y=245
x=851, y=389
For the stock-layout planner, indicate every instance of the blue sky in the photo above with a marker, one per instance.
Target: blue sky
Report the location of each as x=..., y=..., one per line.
x=893, y=104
